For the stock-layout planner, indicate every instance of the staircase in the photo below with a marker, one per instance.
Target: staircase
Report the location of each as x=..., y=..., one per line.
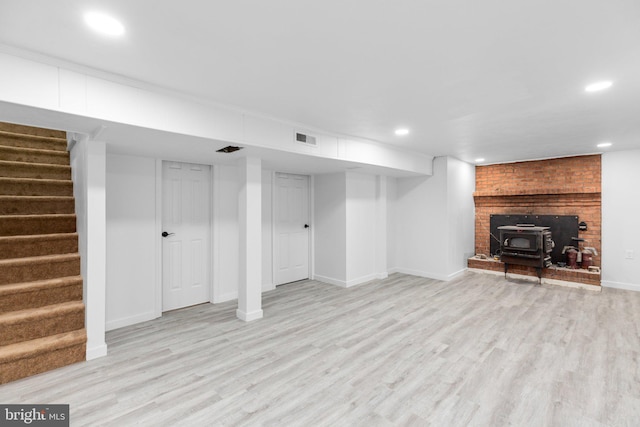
x=41, y=308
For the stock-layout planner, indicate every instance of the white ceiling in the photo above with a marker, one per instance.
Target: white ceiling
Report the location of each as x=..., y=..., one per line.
x=499, y=79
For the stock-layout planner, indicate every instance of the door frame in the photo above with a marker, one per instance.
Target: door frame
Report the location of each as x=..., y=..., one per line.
x=158, y=241
x=274, y=206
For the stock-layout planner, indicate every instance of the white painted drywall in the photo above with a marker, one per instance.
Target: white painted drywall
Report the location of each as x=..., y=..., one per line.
x=433, y=220
x=131, y=244
x=250, y=221
x=392, y=224
x=55, y=88
x=461, y=178
x=620, y=208
x=226, y=232
x=329, y=228
x=361, y=228
x=267, y=230
x=88, y=161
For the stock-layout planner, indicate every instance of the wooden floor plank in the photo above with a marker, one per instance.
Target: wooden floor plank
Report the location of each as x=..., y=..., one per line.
x=478, y=350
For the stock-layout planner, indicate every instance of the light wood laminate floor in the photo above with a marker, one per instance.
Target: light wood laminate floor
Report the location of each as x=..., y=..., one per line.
x=477, y=350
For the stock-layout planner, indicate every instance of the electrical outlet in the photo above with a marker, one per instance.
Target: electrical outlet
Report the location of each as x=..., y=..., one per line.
x=628, y=254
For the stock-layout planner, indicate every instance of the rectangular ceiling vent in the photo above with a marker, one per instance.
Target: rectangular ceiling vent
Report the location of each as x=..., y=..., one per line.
x=229, y=149
x=306, y=139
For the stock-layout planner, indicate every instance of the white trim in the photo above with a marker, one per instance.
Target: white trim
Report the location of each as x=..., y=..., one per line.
x=94, y=352
x=158, y=231
x=215, y=244
x=382, y=276
x=620, y=285
x=212, y=265
x=330, y=281
x=545, y=281
x=362, y=279
x=248, y=317
x=428, y=275
x=312, y=233
x=131, y=320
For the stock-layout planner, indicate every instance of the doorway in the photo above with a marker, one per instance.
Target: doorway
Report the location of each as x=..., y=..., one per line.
x=186, y=234
x=291, y=228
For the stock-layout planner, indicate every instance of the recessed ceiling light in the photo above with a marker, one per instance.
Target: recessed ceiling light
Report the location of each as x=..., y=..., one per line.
x=595, y=87
x=104, y=24
x=401, y=132
x=604, y=145
x=479, y=160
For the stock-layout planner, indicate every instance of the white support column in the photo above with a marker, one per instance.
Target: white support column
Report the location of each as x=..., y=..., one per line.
x=250, y=224
x=89, y=176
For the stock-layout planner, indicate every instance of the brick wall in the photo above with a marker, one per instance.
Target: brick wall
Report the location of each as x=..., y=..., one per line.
x=566, y=186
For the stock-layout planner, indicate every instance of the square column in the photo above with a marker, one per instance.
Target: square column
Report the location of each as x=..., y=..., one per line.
x=250, y=223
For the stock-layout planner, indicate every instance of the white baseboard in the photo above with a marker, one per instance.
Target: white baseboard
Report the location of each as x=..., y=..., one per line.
x=330, y=280
x=96, y=351
x=428, y=275
x=352, y=282
x=248, y=317
x=620, y=285
x=361, y=280
x=131, y=320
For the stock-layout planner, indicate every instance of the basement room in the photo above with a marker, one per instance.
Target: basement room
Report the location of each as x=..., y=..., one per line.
x=289, y=213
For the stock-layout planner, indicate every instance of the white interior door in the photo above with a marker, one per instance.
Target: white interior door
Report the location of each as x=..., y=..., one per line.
x=186, y=234
x=291, y=225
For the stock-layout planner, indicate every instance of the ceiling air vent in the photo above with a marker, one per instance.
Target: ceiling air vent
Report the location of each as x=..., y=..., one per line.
x=305, y=139
x=228, y=149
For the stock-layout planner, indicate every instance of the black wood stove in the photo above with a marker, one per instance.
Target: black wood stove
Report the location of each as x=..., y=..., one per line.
x=526, y=244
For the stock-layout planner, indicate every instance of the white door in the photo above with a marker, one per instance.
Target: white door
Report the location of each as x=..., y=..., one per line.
x=186, y=234
x=291, y=225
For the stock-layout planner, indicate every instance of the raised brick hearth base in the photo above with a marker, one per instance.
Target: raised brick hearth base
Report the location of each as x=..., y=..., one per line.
x=555, y=273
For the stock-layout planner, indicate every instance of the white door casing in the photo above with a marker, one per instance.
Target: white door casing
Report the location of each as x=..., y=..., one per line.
x=291, y=228
x=186, y=216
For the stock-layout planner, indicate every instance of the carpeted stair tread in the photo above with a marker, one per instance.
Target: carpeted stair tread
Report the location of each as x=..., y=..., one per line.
x=34, y=323
x=10, y=169
x=21, y=225
x=33, y=357
x=33, y=205
x=31, y=155
x=22, y=296
x=18, y=270
x=35, y=187
x=10, y=139
x=38, y=245
x=30, y=130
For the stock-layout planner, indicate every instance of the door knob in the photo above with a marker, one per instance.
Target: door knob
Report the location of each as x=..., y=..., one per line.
x=165, y=234
x=306, y=226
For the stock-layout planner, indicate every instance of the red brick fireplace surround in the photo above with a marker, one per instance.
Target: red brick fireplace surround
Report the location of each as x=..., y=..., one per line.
x=565, y=186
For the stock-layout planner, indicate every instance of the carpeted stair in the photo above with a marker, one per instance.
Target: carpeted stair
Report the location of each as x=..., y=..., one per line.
x=41, y=309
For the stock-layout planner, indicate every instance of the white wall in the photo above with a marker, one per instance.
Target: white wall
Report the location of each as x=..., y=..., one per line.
x=267, y=230
x=329, y=228
x=392, y=226
x=131, y=240
x=361, y=228
x=432, y=218
x=620, y=208
x=461, y=184
x=226, y=232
